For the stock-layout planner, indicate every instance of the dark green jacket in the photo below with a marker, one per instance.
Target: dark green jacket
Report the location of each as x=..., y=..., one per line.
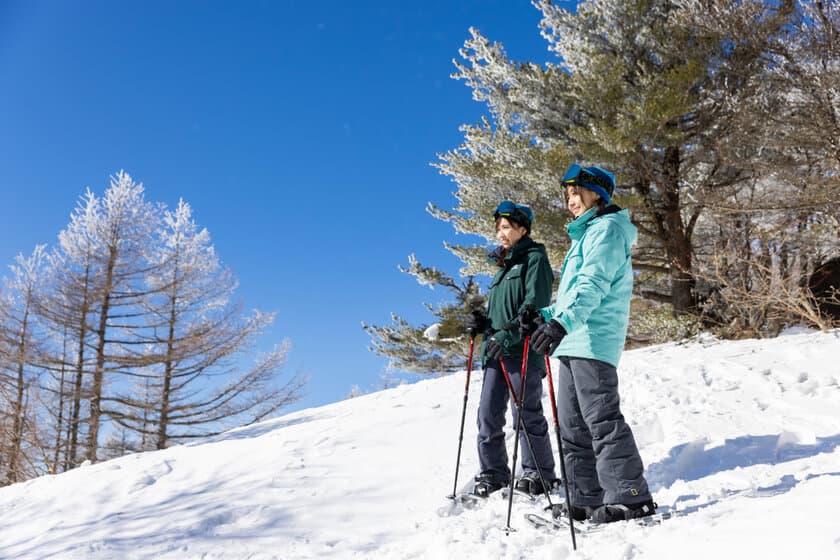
x=525, y=278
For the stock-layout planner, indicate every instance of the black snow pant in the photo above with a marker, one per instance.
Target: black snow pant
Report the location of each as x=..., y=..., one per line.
x=602, y=461
x=492, y=452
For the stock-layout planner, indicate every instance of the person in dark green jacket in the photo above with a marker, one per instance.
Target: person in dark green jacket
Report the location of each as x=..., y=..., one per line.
x=524, y=278
x=585, y=330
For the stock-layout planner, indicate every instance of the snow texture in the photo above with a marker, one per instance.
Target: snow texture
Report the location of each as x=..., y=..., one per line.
x=741, y=437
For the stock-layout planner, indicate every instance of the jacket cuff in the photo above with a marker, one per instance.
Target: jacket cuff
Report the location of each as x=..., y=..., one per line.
x=503, y=338
x=564, y=322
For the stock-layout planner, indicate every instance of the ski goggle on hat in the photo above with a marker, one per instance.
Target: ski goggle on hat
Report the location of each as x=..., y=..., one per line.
x=519, y=213
x=596, y=179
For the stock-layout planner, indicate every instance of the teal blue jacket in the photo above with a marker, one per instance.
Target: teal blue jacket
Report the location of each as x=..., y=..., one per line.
x=596, y=281
x=525, y=278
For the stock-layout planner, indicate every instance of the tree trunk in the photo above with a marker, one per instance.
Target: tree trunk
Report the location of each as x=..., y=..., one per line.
x=99, y=371
x=17, y=422
x=167, y=376
x=73, y=426
x=60, y=423
x=677, y=238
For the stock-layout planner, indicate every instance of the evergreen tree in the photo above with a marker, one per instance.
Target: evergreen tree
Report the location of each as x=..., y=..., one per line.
x=640, y=88
x=68, y=310
x=130, y=320
x=675, y=97
x=190, y=386
x=429, y=349
x=123, y=232
x=21, y=350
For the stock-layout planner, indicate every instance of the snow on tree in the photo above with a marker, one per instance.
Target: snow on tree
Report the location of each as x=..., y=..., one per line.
x=697, y=106
x=196, y=331
x=21, y=348
x=412, y=349
x=637, y=87
x=130, y=323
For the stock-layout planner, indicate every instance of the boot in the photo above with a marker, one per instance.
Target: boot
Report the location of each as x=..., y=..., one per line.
x=579, y=513
x=610, y=513
x=531, y=484
x=485, y=485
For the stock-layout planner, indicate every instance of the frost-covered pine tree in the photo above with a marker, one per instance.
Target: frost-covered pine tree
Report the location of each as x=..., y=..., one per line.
x=67, y=309
x=129, y=320
x=429, y=349
x=21, y=353
x=98, y=286
x=124, y=232
x=192, y=382
x=636, y=86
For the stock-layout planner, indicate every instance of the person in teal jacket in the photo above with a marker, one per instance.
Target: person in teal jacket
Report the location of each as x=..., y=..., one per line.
x=585, y=330
x=523, y=280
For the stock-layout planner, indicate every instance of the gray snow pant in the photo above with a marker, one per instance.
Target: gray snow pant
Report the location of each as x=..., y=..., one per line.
x=492, y=452
x=602, y=461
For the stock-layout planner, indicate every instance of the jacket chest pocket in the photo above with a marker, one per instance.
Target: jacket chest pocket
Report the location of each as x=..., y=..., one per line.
x=512, y=284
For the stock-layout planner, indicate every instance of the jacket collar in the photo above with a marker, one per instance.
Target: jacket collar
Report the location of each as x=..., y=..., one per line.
x=515, y=252
x=577, y=226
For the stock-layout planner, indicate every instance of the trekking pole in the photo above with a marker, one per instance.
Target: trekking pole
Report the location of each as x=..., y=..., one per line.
x=560, y=452
x=463, y=415
x=508, y=528
x=518, y=404
x=546, y=489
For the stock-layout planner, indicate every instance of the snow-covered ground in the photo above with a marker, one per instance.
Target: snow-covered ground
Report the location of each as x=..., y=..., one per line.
x=742, y=437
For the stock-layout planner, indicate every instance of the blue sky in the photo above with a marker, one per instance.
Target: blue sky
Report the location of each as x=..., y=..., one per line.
x=300, y=132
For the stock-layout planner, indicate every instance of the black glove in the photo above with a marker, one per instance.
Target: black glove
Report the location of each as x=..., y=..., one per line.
x=529, y=320
x=547, y=337
x=477, y=322
x=493, y=349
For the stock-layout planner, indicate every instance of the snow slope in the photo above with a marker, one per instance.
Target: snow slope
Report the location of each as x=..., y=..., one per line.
x=742, y=437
